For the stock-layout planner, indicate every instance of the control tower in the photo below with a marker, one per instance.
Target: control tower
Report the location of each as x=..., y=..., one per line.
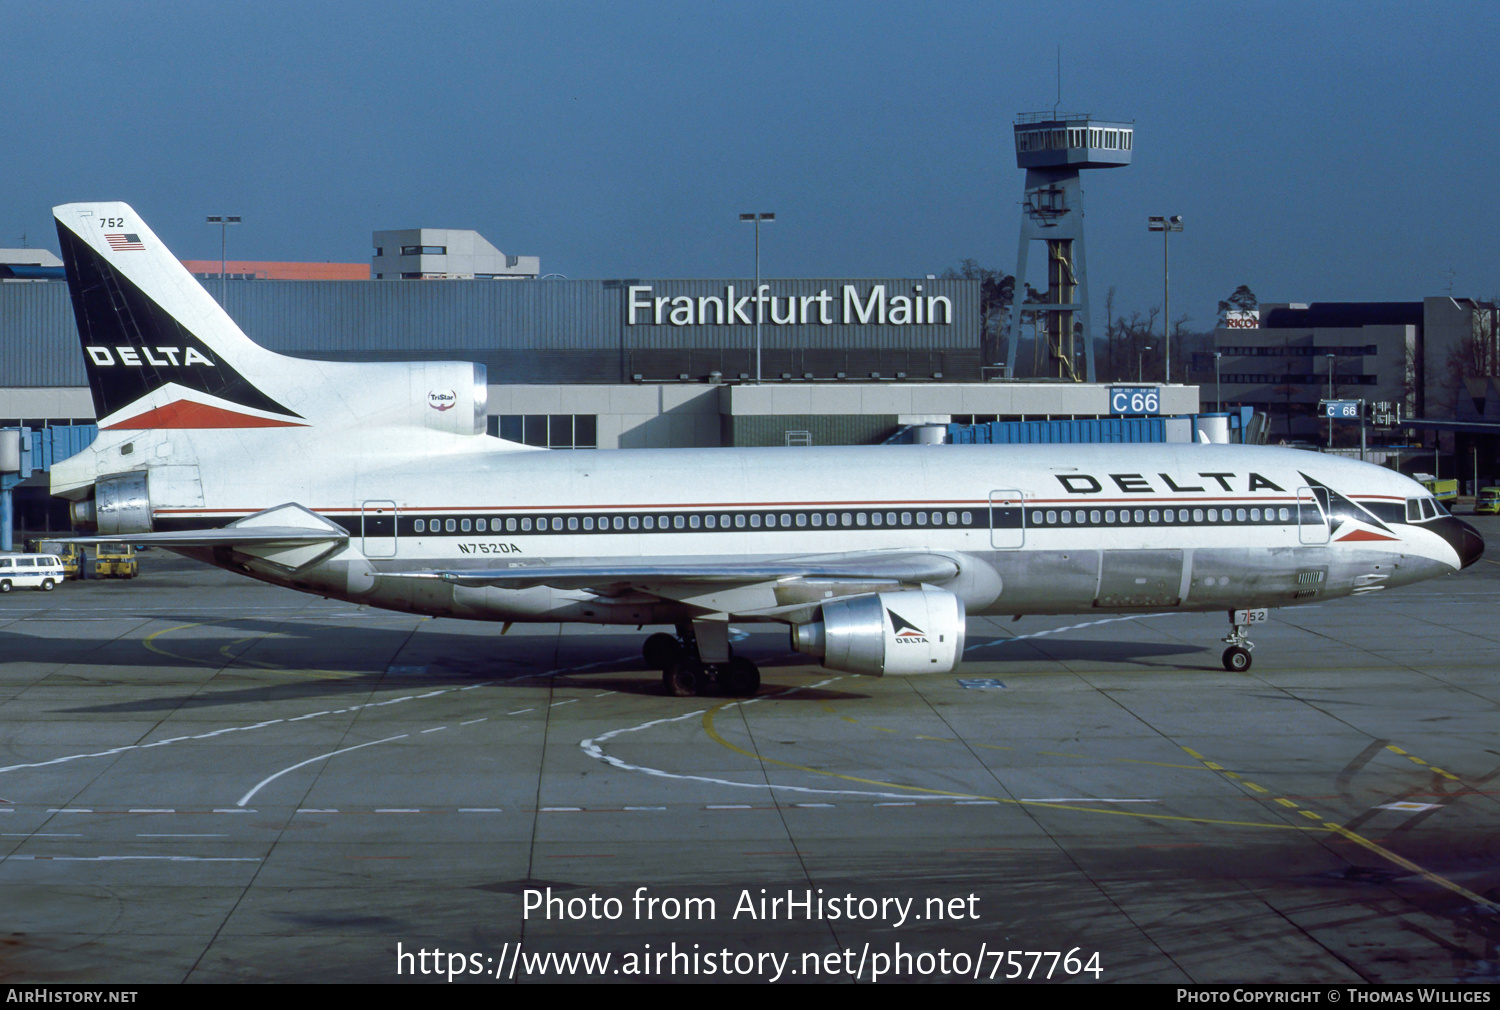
x=1054, y=149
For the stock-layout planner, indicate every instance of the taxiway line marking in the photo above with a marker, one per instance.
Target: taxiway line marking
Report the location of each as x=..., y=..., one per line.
x=1374, y=847
x=1418, y=761
x=591, y=747
x=303, y=764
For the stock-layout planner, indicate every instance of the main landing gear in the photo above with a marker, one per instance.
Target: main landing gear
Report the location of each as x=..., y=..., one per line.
x=686, y=666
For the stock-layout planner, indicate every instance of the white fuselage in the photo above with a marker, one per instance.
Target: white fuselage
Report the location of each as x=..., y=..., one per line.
x=1132, y=527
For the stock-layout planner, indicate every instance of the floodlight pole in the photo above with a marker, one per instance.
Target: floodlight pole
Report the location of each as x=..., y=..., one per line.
x=1166, y=225
x=757, y=218
x=223, y=221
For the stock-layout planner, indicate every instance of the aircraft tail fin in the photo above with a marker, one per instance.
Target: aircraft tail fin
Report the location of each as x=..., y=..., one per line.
x=159, y=350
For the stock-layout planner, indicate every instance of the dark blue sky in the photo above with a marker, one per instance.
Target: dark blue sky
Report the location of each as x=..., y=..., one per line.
x=1316, y=151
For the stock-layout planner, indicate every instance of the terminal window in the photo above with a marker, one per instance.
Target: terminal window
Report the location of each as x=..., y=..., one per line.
x=548, y=431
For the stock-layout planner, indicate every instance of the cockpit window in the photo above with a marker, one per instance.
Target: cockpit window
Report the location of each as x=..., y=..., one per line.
x=1420, y=510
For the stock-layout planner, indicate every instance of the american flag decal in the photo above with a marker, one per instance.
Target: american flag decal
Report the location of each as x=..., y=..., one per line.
x=124, y=243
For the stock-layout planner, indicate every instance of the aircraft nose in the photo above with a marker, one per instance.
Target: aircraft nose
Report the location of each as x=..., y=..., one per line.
x=1463, y=538
x=1471, y=545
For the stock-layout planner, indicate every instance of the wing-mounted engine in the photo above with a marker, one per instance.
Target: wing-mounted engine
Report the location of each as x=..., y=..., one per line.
x=916, y=631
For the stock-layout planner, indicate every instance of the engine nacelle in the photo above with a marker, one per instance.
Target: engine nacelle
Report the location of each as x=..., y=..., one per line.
x=916, y=631
x=119, y=504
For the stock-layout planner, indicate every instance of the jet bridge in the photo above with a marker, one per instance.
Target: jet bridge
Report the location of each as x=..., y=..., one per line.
x=25, y=452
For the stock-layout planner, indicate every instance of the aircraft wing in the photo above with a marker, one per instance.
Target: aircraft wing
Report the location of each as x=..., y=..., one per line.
x=911, y=567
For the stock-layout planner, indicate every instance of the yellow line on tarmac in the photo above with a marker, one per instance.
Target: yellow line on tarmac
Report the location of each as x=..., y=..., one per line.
x=150, y=641
x=713, y=734
x=1361, y=840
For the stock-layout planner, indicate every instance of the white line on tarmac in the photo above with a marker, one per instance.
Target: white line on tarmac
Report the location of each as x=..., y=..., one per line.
x=594, y=749
x=115, y=859
x=1079, y=799
x=302, y=764
x=1054, y=631
x=143, y=835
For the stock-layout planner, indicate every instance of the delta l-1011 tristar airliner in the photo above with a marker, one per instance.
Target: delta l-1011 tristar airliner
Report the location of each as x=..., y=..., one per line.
x=377, y=483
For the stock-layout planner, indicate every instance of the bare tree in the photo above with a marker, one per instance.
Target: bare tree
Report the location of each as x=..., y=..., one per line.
x=996, y=291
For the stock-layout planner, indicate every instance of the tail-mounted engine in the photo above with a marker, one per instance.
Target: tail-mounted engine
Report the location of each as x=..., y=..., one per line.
x=119, y=504
x=916, y=631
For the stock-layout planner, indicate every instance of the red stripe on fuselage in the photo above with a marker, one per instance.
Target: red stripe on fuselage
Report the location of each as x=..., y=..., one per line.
x=188, y=414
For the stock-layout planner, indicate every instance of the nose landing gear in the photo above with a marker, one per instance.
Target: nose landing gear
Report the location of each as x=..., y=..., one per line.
x=685, y=672
x=1237, y=656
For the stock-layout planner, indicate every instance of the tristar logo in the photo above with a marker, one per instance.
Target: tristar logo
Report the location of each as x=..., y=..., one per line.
x=905, y=630
x=139, y=357
x=442, y=399
x=1136, y=483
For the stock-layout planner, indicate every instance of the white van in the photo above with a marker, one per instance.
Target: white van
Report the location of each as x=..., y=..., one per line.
x=39, y=571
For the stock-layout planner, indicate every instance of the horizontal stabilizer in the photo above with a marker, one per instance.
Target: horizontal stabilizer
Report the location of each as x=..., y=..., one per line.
x=229, y=536
x=287, y=536
x=914, y=568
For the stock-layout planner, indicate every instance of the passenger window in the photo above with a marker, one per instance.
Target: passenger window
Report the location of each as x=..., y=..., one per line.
x=1067, y=516
x=1140, y=516
x=876, y=519
x=817, y=519
x=451, y=526
x=677, y=522
x=953, y=518
x=1094, y=516
x=465, y=525
x=481, y=525
x=847, y=519
x=786, y=519
x=1255, y=515
x=526, y=525
x=1109, y=515
x=921, y=518
x=1051, y=516
x=510, y=524
x=890, y=518
x=1286, y=515
x=724, y=522
x=420, y=525
x=711, y=522
x=572, y=523
x=755, y=521
x=1154, y=515
x=739, y=522
x=1167, y=515
x=1036, y=518
x=905, y=519
x=635, y=522
x=859, y=519
x=801, y=518
x=1197, y=515
x=1239, y=515
x=588, y=522
x=1213, y=515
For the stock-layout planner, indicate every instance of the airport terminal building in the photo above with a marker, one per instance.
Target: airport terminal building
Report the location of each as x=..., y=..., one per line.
x=617, y=363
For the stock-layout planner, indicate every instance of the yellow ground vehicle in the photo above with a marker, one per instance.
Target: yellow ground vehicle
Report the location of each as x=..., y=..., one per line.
x=1487, y=502
x=1445, y=491
x=115, y=561
x=71, y=554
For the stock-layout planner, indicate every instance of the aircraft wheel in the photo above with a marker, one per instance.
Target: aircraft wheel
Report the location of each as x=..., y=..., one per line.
x=660, y=649
x=47, y=585
x=740, y=678
x=682, y=677
x=1236, y=659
